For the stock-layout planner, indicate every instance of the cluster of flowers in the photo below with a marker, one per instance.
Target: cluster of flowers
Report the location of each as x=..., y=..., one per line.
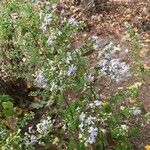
x=69, y=69
x=114, y=68
x=88, y=130
x=40, y=79
x=47, y=15
x=41, y=82
x=72, y=21
x=70, y=57
x=94, y=123
x=54, y=68
x=36, y=135
x=136, y=111
x=96, y=42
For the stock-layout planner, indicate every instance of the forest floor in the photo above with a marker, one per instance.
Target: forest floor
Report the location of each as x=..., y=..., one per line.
x=110, y=26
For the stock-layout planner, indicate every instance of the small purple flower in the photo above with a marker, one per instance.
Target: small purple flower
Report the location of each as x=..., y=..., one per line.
x=30, y=139
x=103, y=62
x=40, y=80
x=82, y=116
x=54, y=6
x=90, y=120
x=93, y=134
x=98, y=103
x=114, y=68
x=94, y=38
x=90, y=77
x=48, y=18
x=72, y=21
x=43, y=27
x=81, y=125
x=72, y=70
x=137, y=111
x=50, y=41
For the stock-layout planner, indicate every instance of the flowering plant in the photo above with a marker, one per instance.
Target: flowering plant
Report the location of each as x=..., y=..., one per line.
x=69, y=113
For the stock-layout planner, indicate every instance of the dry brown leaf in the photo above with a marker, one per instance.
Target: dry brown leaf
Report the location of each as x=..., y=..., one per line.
x=11, y=122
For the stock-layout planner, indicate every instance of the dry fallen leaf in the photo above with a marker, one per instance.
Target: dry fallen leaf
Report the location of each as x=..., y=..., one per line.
x=11, y=122
x=84, y=35
x=147, y=147
x=29, y=85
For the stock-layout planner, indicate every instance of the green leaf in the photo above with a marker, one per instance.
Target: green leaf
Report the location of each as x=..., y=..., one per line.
x=134, y=132
x=8, y=112
x=5, y=98
x=7, y=105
